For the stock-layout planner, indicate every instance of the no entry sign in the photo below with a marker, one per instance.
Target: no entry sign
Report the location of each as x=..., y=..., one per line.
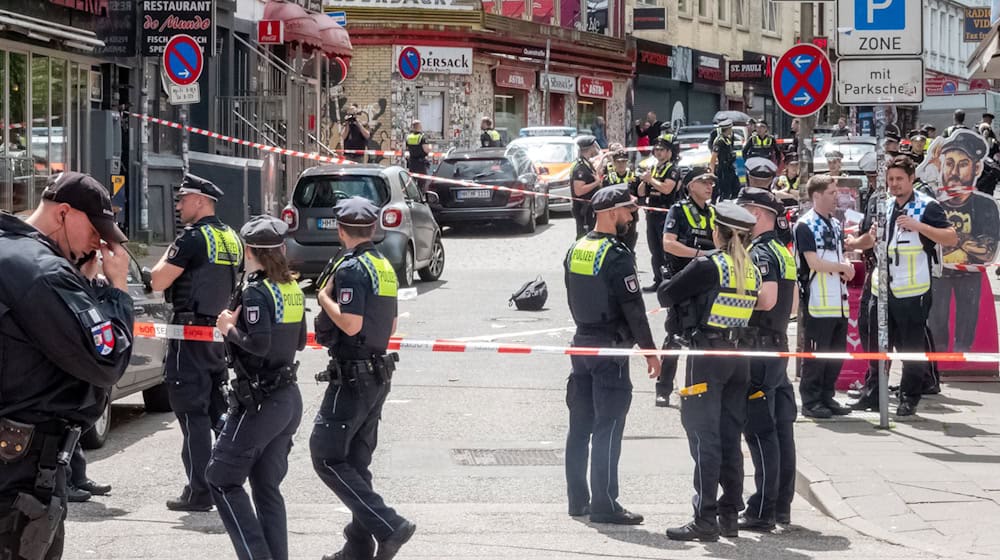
x=409, y=63
x=802, y=80
x=183, y=60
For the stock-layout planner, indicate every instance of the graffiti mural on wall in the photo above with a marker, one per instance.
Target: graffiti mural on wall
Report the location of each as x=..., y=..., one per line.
x=370, y=115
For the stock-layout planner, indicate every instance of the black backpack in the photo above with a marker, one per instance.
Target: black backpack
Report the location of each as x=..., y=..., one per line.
x=531, y=296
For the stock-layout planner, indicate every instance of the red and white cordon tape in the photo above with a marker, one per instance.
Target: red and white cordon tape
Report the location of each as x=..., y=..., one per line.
x=210, y=334
x=971, y=267
x=385, y=153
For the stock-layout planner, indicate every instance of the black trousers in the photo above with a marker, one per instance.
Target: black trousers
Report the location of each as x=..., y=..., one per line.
x=907, y=333
x=77, y=470
x=598, y=395
x=966, y=288
x=344, y=437
x=714, y=419
x=668, y=364
x=583, y=215
x=255, y=446
x=654, y=239
x=770, y=436
x=195, y=375
x=19, y=476
x=727, y=183
x=819, y=377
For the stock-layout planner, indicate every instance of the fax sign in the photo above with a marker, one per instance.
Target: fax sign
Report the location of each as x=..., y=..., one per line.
x=183, y=60
x=802, y=80
x=879, y=28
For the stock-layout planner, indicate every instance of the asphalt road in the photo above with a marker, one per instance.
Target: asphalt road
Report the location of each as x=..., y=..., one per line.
x=446, y=410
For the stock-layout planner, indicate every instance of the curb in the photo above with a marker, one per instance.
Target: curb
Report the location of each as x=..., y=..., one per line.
x=817, y=488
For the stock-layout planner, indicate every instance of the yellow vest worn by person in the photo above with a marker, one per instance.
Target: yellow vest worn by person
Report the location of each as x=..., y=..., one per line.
x=731, y=309
x=909, y=267
x=827, y=290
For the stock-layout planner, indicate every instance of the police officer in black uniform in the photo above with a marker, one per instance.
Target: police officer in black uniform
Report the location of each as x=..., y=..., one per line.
x=417, y=148
x=771, y=408
x=619, y=173
x=659, y=189
x=607, y=307
x=714, y=297
x=687, y=235
x=358, y=296
x=489, y=138
x=761, y=145
x=263, y=328
x=198, y=274
x=585, y=180
x=723, y=162
x=56, y=373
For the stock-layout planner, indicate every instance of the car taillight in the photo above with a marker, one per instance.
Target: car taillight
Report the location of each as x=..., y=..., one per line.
x=516, y=195
x=391, y=218
x=291, y=217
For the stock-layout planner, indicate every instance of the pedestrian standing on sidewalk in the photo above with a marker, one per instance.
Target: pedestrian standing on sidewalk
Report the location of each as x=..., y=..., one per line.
x=263, y=328
x=714, y=297
x=771, y=408
x=358, y=297
x=607, y=307
x=823, y=275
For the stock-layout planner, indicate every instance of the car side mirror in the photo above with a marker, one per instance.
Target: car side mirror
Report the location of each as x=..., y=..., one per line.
x=526, y=179
x=431, y=197
x=147, y=278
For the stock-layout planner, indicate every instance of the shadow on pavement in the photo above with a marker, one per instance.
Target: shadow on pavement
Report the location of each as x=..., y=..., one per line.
x=488, y=229
x=93, y=510
x=130, y=423
x=427, y=287
x=209, y=523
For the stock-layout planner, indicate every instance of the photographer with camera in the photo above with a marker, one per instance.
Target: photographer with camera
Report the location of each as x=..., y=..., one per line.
x=354, y=135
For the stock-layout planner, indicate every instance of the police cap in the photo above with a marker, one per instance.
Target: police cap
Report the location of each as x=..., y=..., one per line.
x=620, y=155
x=988, y=116
x=264, y=232
x=726, y=123
x=356, y=211
x=834, y=154
x=752, y=196
x=665, y=140
x=791, y=158
x=729, y=214
x=891, y=136
x=585, y=141
x=193, y=184
x=927, y=128
x=699, y=173
x=761, y=168
x=614, y=196
x=967, y=141
x=84, y=193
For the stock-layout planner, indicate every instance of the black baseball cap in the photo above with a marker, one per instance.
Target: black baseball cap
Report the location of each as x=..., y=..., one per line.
x=84, y=193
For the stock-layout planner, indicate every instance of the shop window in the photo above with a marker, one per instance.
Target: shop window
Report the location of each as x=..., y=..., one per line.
x=587, y=110
x=509, y=114
x=59, y=121
x=431, y=112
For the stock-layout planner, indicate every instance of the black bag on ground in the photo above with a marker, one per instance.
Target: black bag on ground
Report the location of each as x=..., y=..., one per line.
x=531, y=296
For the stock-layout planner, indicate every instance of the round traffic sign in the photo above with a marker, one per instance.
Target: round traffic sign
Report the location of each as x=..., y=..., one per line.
x=338, y=71
x=409, y=63
x=802, y=80
x=183, y=60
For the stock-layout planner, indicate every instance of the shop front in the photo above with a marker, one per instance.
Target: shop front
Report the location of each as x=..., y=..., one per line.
x=708, y=87
x=754, y=72
x=562, y=99
x=593, y=97
x=515, y=89
x=654, y=89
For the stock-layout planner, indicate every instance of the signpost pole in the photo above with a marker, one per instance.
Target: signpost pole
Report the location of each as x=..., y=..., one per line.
x=547, y=119
x=185, y=140
x=881, y=121
x=806, y=125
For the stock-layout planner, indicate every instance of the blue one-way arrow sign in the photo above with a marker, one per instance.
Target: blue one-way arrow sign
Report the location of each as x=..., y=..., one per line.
x=340, y=18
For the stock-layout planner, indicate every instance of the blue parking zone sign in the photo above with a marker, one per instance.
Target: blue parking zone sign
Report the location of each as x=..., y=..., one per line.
x=879, y=15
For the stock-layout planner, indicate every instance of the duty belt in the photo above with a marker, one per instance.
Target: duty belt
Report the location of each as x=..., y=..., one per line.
x=770, y=340
x=192, y=318
x=717, y=338
x=355, y=372
x=249, y=392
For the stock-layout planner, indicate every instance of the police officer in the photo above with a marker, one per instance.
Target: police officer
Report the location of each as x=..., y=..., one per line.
x=771, y=408
x=687, y=234
x=723, y=163
x=198, y=274
x=959, y=123
x=263, y=329
x=585, y=180
x=761, y=145
x=659, y=188
x=714, y=297
x=823, y=272
x=761, y=173
x=619, y=173
x=56, y=373
x=490, y=138
x=417, y=148
x=788, y=182
x=358, y=296
x=892, y=140
x=916, y=223
x=608, y=310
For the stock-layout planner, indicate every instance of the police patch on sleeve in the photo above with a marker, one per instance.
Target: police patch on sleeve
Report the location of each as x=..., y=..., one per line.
x=253, y=314
x=762, y=267
x=172, y=252
x=104, y=338
x=345, y=296
x=632, y=283
x=671, y=223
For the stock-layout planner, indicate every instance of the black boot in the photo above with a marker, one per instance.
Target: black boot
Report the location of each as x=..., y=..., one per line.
x=751, y=523
x=94, y=488
x=729, y=525
x=388, y=548
x=694, y=531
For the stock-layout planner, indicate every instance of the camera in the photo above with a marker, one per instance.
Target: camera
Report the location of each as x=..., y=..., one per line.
x=351, y=118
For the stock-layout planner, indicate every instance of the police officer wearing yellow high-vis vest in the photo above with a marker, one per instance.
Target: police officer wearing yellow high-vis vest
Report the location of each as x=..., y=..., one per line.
x=761, y=145
x=771, y=408
x=358, y=295
x=916, y=223
x=687, y=234
x=417, y=149
x=618, y=172
x=659, y=188
x=823, y=273
x=490, y=138
x=198, y=274
x=607, y=307
x=714, y=296
x=263, y=328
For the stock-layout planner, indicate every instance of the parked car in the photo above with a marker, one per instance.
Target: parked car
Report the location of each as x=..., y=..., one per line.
x=853, y=148
x=145, y=370
x=554, y=156
x=505, y=167
x=407, y=233
x=569, y=131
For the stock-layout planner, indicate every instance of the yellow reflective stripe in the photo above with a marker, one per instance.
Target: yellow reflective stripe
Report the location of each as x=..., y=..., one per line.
x=789, y=270
x=693, y=390
x=383, y=276
x=588, y=256
x=494, y=135
x=333, y=270
x=222, y=245
x=289, y=303
x=413, y=139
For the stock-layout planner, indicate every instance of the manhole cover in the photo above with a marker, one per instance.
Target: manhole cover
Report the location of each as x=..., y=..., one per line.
x=524, y=319
x=507, y=457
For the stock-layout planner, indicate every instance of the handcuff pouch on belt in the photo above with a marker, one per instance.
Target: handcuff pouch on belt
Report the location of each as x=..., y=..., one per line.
x=351, y=372
x=249, y=392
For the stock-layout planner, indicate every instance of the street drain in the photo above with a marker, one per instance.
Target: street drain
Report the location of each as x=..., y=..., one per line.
x=507, y=457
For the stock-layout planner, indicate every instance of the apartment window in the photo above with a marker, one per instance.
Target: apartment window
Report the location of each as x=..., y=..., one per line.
x=740, y=12
x=648, y=2
x=723, y=11
x=769, y=13
x=684, y=8
x=703, y=9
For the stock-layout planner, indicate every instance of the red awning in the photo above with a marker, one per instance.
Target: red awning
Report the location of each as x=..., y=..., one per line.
x=300, y=27
x=336, y=42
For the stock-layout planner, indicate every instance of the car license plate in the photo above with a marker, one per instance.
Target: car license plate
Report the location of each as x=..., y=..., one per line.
x=326, y=223
x=466, y=194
